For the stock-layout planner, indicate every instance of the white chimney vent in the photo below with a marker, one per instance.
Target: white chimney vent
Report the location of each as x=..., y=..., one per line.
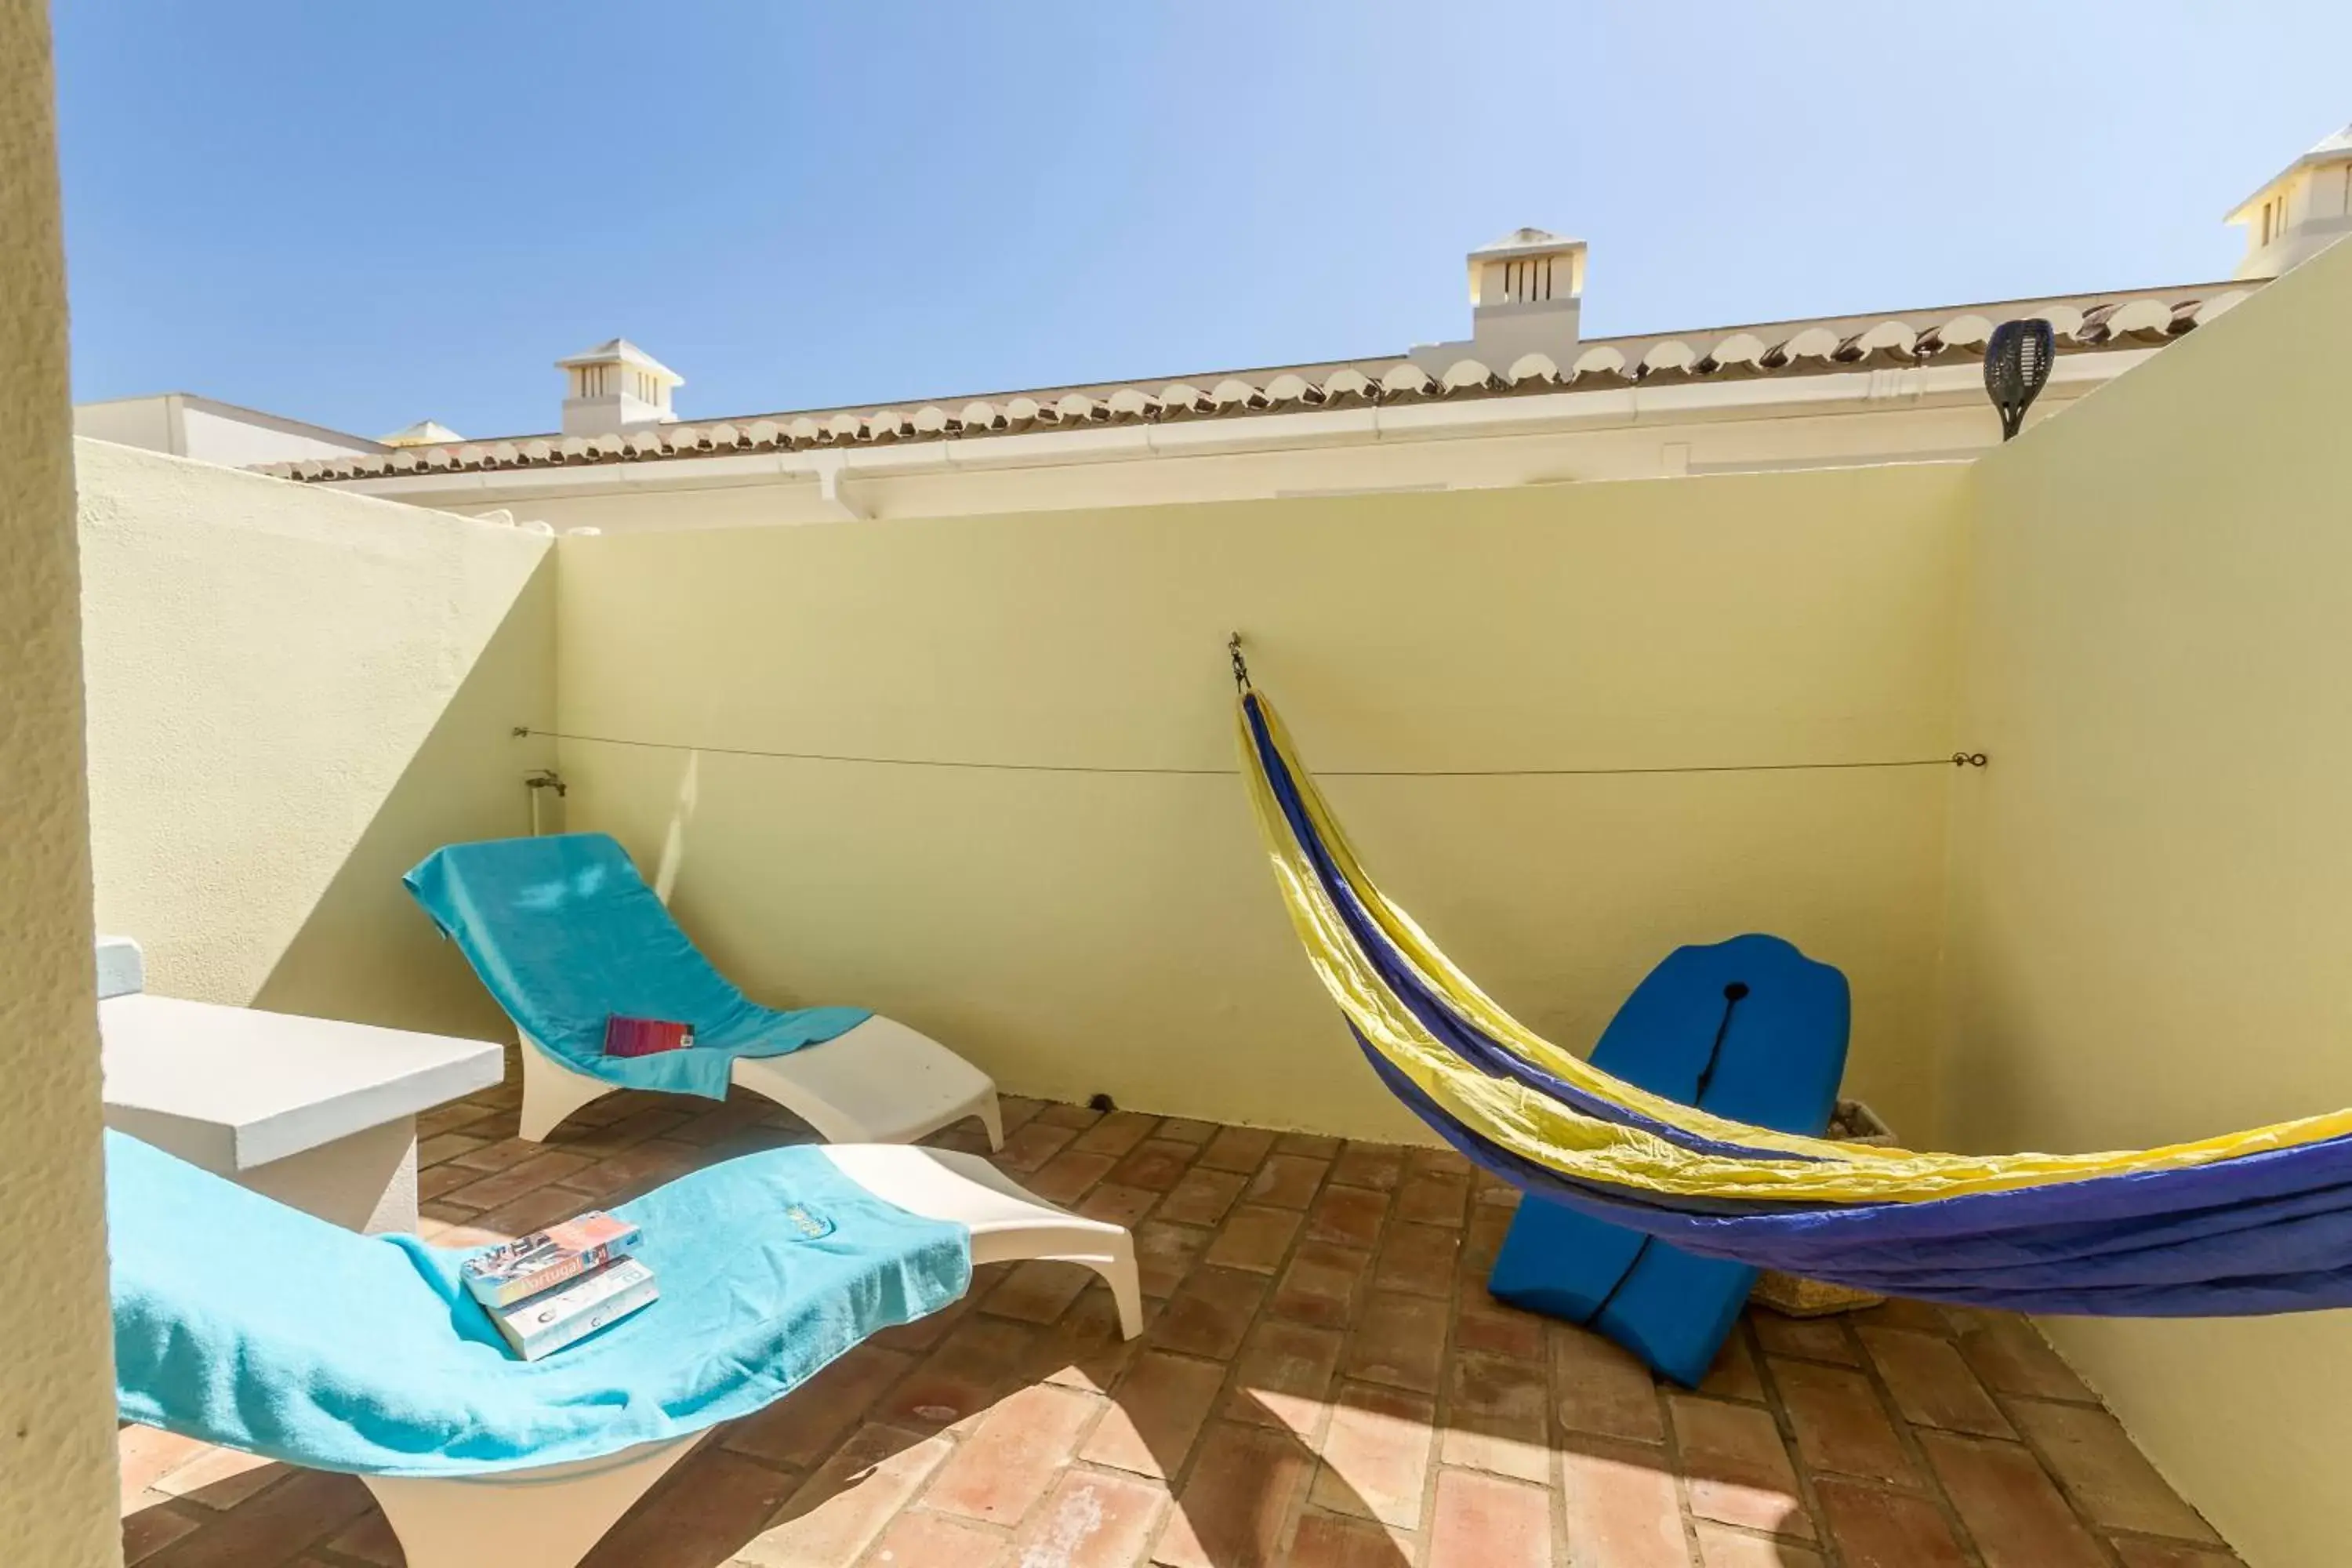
x=423, y=433
x=1527, y=294
x=2304, y=208
x=616, y=386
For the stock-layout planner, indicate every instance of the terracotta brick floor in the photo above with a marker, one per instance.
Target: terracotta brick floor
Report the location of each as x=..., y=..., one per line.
x=1324, y=1383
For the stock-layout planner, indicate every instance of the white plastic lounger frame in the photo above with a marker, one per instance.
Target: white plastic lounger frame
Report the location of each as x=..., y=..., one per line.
x=552, y=1518
x=880, y=1082
x=521, y=1519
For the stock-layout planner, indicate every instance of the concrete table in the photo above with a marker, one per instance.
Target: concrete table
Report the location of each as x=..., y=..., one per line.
x=316, y=1114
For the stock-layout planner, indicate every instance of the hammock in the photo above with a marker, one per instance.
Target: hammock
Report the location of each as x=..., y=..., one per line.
x=2250, y=1223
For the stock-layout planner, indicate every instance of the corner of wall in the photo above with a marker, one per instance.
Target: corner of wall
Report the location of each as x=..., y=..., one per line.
x=294, y=694
x=58, y=1501
x=2148, y=899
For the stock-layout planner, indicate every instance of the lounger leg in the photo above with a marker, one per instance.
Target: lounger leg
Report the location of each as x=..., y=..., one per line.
x=992, y=1117
x=552, y=1092
x=523, y=1519
x=1115, y=1261
x=1118, y=1269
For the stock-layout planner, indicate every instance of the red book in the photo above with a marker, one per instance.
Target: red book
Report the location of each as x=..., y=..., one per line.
x=645, y=1036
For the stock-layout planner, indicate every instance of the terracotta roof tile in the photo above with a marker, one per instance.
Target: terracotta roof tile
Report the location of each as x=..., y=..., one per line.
x=2084, y=324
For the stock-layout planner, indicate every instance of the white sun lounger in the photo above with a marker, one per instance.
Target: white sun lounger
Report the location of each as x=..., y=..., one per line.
x=566, y=935
x=552, y=1517
x=880, y=1082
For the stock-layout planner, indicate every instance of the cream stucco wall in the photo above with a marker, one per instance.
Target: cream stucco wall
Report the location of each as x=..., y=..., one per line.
x=2153, y=882
x=294, y=695
x=56, y=1385
x=1078, y=933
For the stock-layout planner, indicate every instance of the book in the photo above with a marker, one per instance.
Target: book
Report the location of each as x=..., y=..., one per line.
x=542, y=1261
x=626, y=1037
x=554, y=1318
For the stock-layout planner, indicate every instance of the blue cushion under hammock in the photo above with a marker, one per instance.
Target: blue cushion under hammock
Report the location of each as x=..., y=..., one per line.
x=1750, y=1029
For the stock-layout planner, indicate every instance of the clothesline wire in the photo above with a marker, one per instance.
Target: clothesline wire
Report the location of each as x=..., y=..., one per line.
x=1956, y=759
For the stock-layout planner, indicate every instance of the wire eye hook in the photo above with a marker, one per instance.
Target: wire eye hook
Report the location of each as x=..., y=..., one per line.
x=1240, y=665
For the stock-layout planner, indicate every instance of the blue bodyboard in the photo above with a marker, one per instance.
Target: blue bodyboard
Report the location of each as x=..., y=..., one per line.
x=1750, y=1029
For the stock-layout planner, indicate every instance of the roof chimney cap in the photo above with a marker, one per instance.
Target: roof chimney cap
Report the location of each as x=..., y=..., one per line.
x=2300, y=211
x=423, y=433
x=1526, y=267
x=1527, y=242
x=615, y=386
x=1527, y=296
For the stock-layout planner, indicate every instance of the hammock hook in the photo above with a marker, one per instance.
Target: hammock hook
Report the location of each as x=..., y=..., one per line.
x=1241, y=666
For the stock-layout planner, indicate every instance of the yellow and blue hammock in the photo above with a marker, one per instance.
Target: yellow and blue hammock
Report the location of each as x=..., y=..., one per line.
x=2253, y=1222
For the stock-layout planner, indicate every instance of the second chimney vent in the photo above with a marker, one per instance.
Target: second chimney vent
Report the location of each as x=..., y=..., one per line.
x=1527, y=293
x=615, y=386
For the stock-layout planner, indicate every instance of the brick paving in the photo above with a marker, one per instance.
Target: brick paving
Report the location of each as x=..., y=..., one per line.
x=1323, y=1383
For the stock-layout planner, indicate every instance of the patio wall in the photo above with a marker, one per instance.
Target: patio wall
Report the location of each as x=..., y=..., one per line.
x=2153, y=894
x=294, y=695
x=1077, y=933
x=56, y=1400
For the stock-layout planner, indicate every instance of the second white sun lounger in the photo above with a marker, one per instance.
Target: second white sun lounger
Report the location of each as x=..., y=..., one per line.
x=567, y=936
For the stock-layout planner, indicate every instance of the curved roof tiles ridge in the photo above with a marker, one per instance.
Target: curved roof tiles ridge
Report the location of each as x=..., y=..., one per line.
x=2082, y=323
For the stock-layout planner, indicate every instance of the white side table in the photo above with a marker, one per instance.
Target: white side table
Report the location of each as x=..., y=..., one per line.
x=318, y=1114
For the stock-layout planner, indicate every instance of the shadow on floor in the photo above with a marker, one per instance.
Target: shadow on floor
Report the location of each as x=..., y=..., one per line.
x=1001, y=1430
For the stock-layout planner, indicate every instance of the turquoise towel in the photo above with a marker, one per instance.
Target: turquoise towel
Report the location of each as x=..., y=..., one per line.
x=239, y=1321
x=566, y=934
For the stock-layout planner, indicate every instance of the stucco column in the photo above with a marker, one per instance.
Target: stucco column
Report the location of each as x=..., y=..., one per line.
x=57, y=1382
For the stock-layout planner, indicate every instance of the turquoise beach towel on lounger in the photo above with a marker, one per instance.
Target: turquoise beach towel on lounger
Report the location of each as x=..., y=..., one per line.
x=566, y=935
x=239, y=1321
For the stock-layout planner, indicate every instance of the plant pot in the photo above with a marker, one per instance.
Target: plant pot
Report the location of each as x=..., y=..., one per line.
x=1854, y=1123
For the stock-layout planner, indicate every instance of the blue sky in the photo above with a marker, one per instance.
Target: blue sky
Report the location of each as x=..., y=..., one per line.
x=370, y=215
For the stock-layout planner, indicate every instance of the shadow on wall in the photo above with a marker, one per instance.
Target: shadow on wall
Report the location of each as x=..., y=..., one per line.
x=365, y=951
x=673, y=855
